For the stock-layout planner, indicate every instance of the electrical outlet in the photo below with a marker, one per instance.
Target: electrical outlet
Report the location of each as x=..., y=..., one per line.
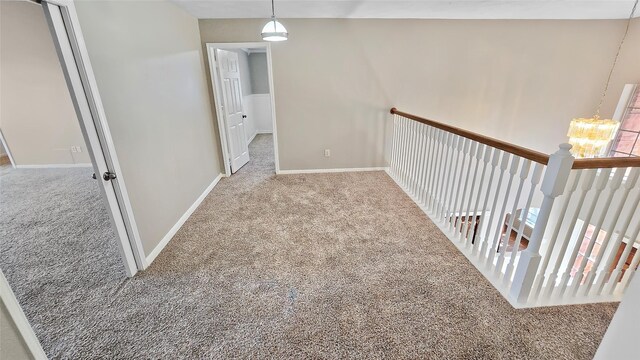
x=78, y=148
x=327, y=152
x=73, y=149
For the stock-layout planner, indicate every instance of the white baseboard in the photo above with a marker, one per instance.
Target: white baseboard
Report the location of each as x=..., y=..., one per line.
x=20, y=320
x=258, y=133
x=165, y=240
x=264, y=132
x=320, y=171
x=252, y=137
x=54, y=166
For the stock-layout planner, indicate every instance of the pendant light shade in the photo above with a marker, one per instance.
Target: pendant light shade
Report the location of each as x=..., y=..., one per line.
x=274, y=30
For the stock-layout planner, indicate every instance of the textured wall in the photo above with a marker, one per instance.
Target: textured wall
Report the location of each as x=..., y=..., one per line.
x=517, y=80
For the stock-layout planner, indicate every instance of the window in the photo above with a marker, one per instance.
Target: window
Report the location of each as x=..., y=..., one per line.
x=627, y=140
x=582, y=252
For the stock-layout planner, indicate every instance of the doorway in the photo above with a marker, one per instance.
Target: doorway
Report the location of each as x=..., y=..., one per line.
x=243, y=95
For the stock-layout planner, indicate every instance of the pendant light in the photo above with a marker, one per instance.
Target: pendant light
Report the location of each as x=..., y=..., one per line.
x=591, y=137
x=274, y=30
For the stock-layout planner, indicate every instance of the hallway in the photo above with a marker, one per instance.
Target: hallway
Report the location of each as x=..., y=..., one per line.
x=320, y=265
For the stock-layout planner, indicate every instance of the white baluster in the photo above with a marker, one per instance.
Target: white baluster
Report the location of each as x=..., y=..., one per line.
x=534, y=180
x=407, y=170
x=472, y=225
x=430, y=161
x=540, y=279
x=416, y=161
x=633, y=266
x=394, y=145
x=495, y=159
x=615, y=274
x=603, y=271
x=456, y=146
x=445, y=176
x=408, y=138
x=524, y=173
x=403, y=151
x=427, y=166
x=554, y=182
x=466, y=144
x=460, y=225
x=587, y=181
x=439, y=161
x=513, y=169
x=488, y=239
x=614, y=184
x=422, y=153
x=413, y=142
x=470, y=217
x=600, y=184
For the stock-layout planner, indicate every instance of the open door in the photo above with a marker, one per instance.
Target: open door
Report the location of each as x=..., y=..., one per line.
x=67, y=37
x=232, y=108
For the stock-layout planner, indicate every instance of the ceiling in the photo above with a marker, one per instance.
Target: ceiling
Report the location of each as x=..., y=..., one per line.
x=416, y=9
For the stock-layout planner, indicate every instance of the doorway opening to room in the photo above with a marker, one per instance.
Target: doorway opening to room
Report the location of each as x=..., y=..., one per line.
x=242, y=83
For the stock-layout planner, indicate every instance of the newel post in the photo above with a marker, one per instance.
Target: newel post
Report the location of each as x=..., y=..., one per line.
x=553, y=184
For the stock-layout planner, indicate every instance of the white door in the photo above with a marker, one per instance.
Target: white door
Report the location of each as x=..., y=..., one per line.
x=63, y=22
x=232, y=108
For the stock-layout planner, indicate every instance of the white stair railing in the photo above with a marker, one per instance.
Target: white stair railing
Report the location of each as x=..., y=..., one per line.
x=577, y=268
x=495, y=202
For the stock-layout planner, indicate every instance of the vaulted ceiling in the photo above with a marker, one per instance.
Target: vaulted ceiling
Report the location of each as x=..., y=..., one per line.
x=416, y=9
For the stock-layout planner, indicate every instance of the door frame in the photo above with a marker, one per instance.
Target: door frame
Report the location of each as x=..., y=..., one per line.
x=74, y=59
x=217, y=98
x=3, y=143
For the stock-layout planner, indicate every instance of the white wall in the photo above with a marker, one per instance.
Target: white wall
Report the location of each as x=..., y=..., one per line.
x=260, y=100
x=621, y=339
x=259, y=69
x=149, y=68
x=261, y=104
x=12, y=344
x=37, y=116
x=518, y=80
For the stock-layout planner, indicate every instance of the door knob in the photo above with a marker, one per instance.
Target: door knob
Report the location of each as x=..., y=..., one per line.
x=108, y=176
x=244, y=116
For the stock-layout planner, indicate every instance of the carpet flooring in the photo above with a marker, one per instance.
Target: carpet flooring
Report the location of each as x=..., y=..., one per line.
x=340, y=265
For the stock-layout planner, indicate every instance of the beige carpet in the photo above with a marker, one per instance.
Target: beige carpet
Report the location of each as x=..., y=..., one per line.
x=312, y=266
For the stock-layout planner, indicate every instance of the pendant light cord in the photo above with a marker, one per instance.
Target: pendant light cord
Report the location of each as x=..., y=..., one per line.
x=273, y=9
x=615, y=60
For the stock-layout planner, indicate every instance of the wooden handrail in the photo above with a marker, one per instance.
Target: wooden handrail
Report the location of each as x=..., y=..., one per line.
x=594, y=163
x=606, y=163
x=498, y=144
